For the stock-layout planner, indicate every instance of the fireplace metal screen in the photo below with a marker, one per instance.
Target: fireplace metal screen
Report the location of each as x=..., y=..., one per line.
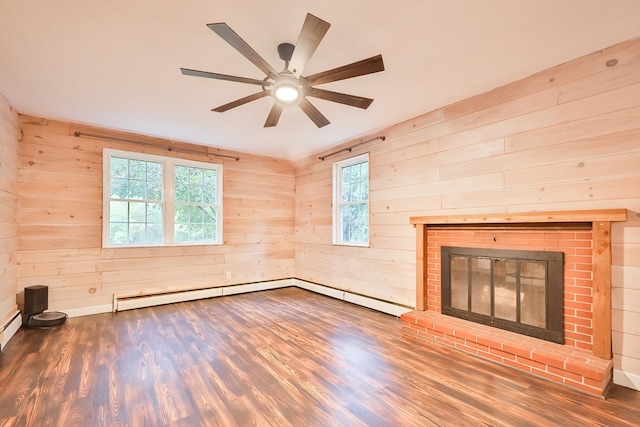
x=520, y=291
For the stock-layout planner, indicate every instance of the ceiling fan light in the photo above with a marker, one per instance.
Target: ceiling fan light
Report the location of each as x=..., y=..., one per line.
x=287, y=93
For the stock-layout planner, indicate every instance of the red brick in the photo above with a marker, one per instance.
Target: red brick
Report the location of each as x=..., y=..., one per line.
x=548, y=375
x=583, y=330
x=456, y=339
x=578, y=274
x=583, y=345
x=517, y=350
x=586, y=388
x=489, y=342
x=532, y=363
x=477, y=346
x=564, y=374
x=584, y=298
x=584, y=236
x=577, y=305
x=548, y=359
x=594, y=383
x=435, y=333
x=490, y=356
x=517, y=365
x=425, y=323
x=465, y=335
x=503, y=354
x=585, y=370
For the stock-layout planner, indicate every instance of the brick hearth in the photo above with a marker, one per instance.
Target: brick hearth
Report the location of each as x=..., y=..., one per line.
x=571, y=366
x=584, y=361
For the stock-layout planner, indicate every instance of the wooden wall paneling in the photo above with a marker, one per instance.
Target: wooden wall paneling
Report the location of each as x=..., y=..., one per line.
x=577, y=150
x=605, y=189
x=599, y=104
x=585, y=129
x=593, y=168
x=9, y=189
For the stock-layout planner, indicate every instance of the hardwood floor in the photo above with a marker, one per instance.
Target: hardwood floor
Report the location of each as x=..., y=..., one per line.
x=285, y=357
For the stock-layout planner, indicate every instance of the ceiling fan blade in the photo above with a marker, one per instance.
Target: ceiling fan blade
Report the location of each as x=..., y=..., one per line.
x=313, y=30
x=274, y=115
x=230, y=36
x=342, y=98
x=360, y=68
x=313, y=113
x=241, y=101
x=218, y=76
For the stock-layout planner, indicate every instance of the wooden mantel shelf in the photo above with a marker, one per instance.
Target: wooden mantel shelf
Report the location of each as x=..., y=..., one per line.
x=600, y=220
x=525, y=217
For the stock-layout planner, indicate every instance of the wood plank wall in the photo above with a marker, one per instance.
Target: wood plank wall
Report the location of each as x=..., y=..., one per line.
x=60, y=211
x=9, y=136
x=567, y=138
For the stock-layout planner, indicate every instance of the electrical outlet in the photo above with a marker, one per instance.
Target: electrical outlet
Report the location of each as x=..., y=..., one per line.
x=228, y=275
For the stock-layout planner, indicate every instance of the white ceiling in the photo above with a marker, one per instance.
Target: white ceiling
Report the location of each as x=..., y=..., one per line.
x=116, y=64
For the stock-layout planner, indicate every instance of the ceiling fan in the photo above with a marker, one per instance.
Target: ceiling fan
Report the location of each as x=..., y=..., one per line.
x=289, y=86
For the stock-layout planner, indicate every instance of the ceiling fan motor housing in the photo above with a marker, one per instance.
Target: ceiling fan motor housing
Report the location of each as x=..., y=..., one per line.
x=285, y=50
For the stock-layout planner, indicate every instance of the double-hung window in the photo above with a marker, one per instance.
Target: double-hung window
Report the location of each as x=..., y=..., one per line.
x=351, y=201
x=154, y=200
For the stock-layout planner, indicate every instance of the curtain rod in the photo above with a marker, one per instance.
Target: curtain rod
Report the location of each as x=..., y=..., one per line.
x=148, y=144
x=352, y=147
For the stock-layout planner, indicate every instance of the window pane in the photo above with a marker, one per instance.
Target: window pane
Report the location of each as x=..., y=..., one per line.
x=119, y=188
x=195, y=215
x=154, y=233
x=182, y=214
x=137, y=211
x=181, y=232
x=118, y=211
x=119, y=168
x=195, y=194
x=209, y=215
x=182, y=184
x=154, y=213
x=138, y=170
x=137, y=190
x=118, y=234
x=210, y=232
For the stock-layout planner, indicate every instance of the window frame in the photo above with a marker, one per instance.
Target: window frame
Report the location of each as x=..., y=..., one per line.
x=337, y=196
x=168, y=200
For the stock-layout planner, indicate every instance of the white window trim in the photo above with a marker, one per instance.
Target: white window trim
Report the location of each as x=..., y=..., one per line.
x=337, y=193
x=168, y=164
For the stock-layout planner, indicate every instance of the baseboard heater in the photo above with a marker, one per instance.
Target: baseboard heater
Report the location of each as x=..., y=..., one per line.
x=128, y=302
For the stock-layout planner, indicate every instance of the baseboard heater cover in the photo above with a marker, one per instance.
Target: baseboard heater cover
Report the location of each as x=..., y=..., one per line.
x=9, y=330
x=128, y=302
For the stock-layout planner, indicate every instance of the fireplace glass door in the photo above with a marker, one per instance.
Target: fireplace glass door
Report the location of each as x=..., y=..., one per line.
x=519, y=291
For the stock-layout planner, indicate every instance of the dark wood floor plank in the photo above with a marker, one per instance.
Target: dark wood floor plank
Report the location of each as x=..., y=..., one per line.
x=285, y=357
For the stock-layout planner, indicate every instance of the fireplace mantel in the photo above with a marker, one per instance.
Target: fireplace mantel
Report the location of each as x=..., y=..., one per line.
x=601, y=254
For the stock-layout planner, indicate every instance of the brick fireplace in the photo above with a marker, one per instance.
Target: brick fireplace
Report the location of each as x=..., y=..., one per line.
x=584, y=361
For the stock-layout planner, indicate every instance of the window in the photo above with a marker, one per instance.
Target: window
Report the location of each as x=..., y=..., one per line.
x=351, y=201
x=153, y=200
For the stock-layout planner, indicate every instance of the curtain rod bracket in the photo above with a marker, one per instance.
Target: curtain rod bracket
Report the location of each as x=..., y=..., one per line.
x=382, y=138
x=148, y=144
